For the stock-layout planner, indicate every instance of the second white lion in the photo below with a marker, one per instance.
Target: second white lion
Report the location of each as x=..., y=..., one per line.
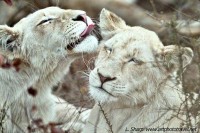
x=44, y=44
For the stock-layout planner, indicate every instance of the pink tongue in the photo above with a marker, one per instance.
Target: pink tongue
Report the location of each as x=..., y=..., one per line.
x=87, y=31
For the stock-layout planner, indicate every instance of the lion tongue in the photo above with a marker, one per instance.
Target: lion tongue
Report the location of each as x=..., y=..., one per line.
x=87, y=31
x=89, y=28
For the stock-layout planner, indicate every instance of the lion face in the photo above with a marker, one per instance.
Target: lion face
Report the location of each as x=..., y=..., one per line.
x=50, y=33
x=131, y=63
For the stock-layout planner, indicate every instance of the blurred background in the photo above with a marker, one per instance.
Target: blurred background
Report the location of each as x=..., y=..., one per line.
x=175, y=21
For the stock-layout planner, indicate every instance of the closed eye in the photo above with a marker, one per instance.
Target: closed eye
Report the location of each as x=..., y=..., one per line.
x=44, y=21
x=108, y=50
x=135, y=61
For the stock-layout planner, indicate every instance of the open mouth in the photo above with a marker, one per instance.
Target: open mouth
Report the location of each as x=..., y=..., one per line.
x=72, y=45
x=83, y=35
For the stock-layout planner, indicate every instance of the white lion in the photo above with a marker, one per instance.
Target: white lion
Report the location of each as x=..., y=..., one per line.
x=134, y=82
x=42, y=47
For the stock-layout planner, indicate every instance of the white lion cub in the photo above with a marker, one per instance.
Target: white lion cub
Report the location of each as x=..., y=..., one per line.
x=134, y=80
x=42, y=45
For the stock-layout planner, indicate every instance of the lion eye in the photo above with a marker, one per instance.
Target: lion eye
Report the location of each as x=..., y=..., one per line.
x=108, y=50
x=45, y=21
x=135, y=61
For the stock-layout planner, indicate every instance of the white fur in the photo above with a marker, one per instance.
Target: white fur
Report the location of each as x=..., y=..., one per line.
x=44, y=63
x=144, y=89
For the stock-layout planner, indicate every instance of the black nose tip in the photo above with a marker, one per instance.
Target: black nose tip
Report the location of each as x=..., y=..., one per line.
x=81, y=17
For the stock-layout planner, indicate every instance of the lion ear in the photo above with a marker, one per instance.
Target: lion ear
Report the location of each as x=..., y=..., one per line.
x=110, y=23
x=176, y=57
x=8, y=37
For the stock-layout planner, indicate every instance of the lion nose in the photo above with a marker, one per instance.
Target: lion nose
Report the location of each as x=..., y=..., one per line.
x=81, y=17
x=104, y=79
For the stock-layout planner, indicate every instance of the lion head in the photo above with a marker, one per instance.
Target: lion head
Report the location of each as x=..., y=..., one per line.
x=132, y=63
x=48, y=34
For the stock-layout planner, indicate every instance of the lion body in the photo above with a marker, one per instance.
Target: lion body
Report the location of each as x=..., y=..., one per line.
x=40, y=41
x=134, y=82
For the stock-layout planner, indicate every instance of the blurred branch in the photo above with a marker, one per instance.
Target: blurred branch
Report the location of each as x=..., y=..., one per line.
x=131, y=13
x=136, y=15
x=190, y=28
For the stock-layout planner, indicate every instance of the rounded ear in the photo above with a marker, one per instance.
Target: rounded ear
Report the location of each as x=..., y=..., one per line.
x=187, y=56
x=8, y=37
x=176, y=57
x=110, y=23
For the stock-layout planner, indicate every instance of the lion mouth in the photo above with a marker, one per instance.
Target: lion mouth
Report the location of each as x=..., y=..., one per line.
x=87, y=30
x=103, y=90
x=83, y=35
x=72, y=45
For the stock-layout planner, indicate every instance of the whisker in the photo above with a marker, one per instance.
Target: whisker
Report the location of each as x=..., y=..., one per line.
x=82, y=56
x=86, y=74
x=117, y=86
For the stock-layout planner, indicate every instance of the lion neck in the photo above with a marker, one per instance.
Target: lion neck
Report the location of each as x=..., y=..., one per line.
x=51, y=73
x=42, y=74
